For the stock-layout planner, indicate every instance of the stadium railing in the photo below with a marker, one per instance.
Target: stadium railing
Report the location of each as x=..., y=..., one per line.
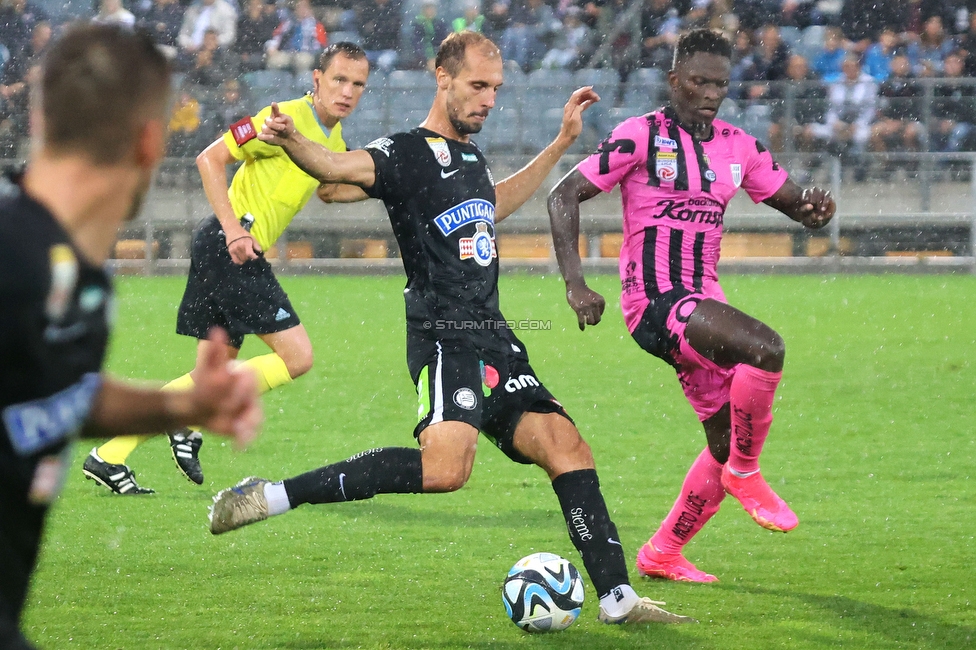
x=916, y=213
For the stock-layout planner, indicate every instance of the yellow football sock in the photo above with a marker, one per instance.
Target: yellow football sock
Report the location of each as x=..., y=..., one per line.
x=271, y=371
x=117, y=450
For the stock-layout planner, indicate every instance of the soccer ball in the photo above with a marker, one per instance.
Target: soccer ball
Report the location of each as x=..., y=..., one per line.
x=543, y=593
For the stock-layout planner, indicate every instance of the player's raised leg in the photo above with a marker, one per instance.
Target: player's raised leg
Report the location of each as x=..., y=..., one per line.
x=442, y=464
x=730, y=338
x=552, y=442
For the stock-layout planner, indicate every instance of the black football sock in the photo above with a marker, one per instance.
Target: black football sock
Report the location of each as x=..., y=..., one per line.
x=590, y=528
x=389, y=470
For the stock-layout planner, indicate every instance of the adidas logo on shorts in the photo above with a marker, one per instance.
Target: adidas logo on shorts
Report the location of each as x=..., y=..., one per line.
x=282, y=314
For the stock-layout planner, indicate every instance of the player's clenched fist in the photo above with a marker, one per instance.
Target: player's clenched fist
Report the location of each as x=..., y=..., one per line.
x=817, y=209
x=587, y=304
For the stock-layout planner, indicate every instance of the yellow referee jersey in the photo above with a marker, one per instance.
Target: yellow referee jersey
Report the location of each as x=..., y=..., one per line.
x=269, y=185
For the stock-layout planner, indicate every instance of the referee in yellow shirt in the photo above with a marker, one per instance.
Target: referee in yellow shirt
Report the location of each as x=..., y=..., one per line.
x=231, y=284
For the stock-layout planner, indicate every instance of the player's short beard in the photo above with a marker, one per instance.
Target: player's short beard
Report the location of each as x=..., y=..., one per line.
x=464, y=128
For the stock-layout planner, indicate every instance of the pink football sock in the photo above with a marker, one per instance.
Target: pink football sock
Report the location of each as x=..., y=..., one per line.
x=701, y=494
x=751, y=397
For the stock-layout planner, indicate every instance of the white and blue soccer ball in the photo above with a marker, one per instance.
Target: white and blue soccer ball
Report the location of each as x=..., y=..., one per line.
x=543, y=593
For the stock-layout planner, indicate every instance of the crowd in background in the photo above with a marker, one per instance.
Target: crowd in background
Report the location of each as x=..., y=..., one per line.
x=866, y=61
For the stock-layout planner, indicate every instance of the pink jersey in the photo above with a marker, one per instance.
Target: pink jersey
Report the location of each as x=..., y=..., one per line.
x=675, y=190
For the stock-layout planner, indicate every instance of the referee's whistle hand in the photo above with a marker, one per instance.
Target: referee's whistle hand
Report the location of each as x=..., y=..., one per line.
x=242, y=247
x=277, y=127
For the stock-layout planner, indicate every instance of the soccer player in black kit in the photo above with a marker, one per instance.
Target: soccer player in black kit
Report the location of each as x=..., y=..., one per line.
x=99, y=131
x=472, y=373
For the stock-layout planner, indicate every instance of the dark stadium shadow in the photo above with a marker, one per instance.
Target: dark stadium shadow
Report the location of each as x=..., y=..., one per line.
x=903, y=626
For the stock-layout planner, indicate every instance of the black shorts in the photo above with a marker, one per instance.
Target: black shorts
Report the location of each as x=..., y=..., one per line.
x=457, y=382
x=652, y=332
x=241, y=298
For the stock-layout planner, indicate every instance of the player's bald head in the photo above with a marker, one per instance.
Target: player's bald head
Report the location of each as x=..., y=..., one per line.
x=453, y=50
x=99, y=84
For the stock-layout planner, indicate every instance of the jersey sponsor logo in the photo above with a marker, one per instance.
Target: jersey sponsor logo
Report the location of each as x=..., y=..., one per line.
x=243, y=131
x=382, y=145
x=448, y=174
x=442, y=152
x=480, y=246
x=692, y=211
x=465, y=398
x=736, y=170
x=665, y=142
x=32, y=426
x=470, y=211
x=518, y=383
x=469, y=157
x=64, y=275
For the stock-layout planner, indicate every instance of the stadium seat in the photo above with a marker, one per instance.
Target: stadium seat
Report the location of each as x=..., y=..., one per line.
x=543, y=98
x=266, y=86
x=363, y=249
x=643, y=89
x=524, y=246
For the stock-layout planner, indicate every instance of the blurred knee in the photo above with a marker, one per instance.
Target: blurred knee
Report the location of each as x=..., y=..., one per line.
x=299, y=363
x=445, y=477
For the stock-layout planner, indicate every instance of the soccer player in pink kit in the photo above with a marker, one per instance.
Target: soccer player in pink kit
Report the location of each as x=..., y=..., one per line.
x=678, y=168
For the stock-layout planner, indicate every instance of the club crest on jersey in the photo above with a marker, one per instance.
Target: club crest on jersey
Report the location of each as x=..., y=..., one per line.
x=736, y=174
x=710, y=175
x=481, y=246
x=462, y=214
x=666, y=164
x=442, y=153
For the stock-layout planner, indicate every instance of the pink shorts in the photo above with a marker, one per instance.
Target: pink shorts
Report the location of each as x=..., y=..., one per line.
x=705, y=383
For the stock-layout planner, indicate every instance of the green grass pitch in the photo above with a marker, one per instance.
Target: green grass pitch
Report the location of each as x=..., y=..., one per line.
x=873, y=445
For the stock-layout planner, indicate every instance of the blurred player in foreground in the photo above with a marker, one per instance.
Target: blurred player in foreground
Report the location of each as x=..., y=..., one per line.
x=98, y=120
x=678, y=168
x=231, y=284
x=471, y=371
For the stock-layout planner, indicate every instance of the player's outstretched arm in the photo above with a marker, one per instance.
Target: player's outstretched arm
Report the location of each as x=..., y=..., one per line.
x=353, y=167
x=515, y=190
x=224, y=400
x=564, y=218
x=340, y=193
x=813, y=207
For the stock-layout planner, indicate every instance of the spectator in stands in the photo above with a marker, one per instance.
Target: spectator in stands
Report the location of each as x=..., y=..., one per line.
x=298, y=40
x=15, y=83
x=212, y=65
x=753, y=14
x=827, y=65
x=660, y=24
x=954, y=109
x=184, y=126
x=801, y=13
x=428, y=32
x=472, y=20
x=863, y=20
x=917, y=12
x=619, y=28
x=111, y=12
x=163, y=20
x=533, y=24
x=877, y=58
x=17, y=21
x=928, y=53
x=967, y=45
x=255, y=27
x=379, y=27
x=231, y=108
x=809, y=106
x=571, y=44
x=899, y=123
x=852, y=103
x=769, y=57
x=219, y=15
x=497, y=19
